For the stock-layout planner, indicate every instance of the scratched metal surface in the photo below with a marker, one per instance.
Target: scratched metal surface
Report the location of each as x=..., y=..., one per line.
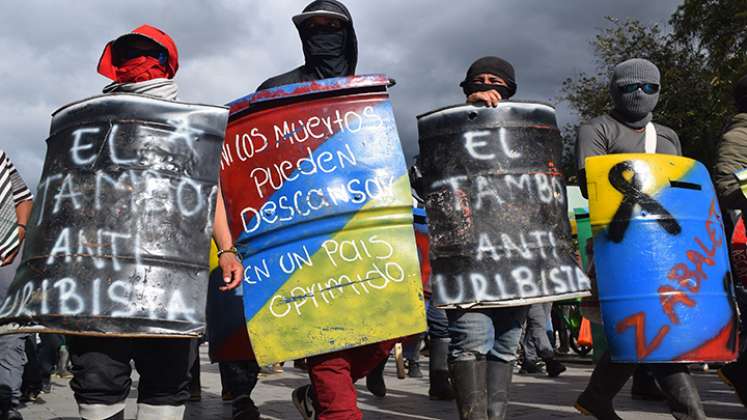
x=119, y=235
x=496, y=204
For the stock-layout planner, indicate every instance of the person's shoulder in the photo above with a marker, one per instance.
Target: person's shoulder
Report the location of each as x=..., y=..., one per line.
x=598, y=121
x=292, y=76
x=666, y=132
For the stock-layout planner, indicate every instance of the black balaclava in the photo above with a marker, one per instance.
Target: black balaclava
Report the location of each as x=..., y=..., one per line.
x=328, y=53
x=490, y=65
x=740, y=94
x=634, y=109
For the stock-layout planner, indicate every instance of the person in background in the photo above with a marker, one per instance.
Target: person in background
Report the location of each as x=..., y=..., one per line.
x=440, y=387
x=537, y=344
x=13, y=346
x=731, y=157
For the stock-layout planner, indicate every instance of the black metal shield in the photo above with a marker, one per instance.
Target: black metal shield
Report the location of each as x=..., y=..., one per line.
x=119, y=235
x=496, y=203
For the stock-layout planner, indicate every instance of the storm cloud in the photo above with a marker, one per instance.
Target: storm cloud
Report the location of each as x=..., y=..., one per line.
x=50, y=51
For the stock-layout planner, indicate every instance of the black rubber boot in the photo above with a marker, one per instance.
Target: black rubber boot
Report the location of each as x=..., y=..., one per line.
x=554, y=368
x=375, y=380
x=606, y=381
x=681, y=392
x=440, y=383
x=645, y=386
x=470, y=386
x=499, y=382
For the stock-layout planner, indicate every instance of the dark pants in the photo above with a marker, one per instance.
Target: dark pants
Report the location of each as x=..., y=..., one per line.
x=47, y=352
x=32, y=380
x=101, y=369
x=239, y=378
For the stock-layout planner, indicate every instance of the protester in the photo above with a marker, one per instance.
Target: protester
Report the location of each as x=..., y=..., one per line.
x=438, y=325
x=634, y=88
x=730, y=158
x=141, y=62
x=537, y=344
x=484, y=342
x=13, y=347
x=330, y=50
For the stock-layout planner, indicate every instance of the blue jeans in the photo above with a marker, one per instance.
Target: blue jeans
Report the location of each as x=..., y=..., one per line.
x=438, y=324
x=494, y=333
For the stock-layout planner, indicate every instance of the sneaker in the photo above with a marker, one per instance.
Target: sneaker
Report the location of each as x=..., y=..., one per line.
x=304, y=404
x=46, y=388
x=530, y=367
x=29, y=396
x=277, y=368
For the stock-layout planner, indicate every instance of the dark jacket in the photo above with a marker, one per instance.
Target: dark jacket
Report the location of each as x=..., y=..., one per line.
x=306, y=72
x=730, y=158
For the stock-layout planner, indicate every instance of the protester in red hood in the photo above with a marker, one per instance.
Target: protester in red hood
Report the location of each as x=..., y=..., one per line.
x=143, y=61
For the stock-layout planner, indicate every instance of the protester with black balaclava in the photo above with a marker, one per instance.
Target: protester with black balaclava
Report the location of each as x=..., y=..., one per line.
x=731, y=157
x=330, y=46
x=330, y=50
x=484, y=342
x=634, y=88
x=489, y=80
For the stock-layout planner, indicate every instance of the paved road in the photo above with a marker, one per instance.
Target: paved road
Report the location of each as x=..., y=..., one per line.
x=532, y=397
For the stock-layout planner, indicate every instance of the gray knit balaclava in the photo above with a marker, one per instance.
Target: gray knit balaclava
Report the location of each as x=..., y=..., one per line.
x=634, y=109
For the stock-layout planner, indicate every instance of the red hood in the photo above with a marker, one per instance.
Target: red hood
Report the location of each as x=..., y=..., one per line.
x=106, y=62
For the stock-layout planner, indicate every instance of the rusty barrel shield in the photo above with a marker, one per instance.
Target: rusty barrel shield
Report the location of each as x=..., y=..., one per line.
x=119, y=235
x=318, y=198
x=661, y=259
x=496, y=204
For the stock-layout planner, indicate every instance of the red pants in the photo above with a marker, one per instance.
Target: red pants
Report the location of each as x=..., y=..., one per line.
x=333, y=375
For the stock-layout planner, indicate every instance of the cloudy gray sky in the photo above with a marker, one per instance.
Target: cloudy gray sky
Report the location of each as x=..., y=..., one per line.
x=50, y=50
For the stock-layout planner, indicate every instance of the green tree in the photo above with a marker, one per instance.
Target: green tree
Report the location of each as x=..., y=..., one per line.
x=699, y=59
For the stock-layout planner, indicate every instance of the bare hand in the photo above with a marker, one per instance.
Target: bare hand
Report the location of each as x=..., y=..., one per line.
x=233, y=271
x=489, y=98
x=9, y=259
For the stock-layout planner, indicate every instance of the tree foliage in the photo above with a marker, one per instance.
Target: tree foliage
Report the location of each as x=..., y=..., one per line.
x=700, y=55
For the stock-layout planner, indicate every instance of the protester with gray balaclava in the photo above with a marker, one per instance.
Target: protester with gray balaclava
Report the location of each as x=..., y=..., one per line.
x=634, y=88
x=731, y=157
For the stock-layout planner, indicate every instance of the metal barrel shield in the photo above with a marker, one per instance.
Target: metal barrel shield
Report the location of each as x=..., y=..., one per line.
x=661, y=259
x=119, y=234
x=496, y=205
x=319, y=203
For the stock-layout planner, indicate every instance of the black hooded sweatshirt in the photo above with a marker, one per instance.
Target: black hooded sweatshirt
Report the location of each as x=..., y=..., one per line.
x=308, y=72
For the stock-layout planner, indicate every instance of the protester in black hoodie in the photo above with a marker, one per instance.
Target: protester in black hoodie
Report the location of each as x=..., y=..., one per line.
x=330, y=46
x=330, y=49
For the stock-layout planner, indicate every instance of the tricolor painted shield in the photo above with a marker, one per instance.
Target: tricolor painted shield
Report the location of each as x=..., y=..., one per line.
x=319, y=204
x=661, y=259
